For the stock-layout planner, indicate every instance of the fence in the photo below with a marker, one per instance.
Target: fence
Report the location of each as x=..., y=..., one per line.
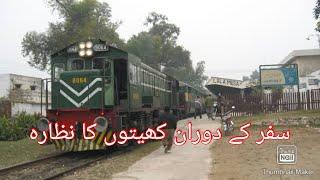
x=273, y=102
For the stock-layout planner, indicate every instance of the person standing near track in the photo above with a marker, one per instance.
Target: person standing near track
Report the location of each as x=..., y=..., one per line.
x=197, y=107
x=171, y=120
x=209, y=106
x=221, y=103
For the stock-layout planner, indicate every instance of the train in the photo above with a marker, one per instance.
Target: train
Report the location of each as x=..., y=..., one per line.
x=94, y=82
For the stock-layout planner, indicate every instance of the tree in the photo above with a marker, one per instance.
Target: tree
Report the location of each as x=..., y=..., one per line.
x=245, y=78
x=147, y=47
x=166, y=32
x=158, y=46
x=316, y=13
x=81, y=20
x=199, y=77
x=255, y=76
x=161, y=27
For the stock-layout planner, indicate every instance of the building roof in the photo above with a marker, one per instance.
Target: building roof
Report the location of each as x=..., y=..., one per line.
x=232, y=83
x=298, y=53
x=19, y=75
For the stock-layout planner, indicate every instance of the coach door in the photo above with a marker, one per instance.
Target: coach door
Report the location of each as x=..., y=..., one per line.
x=108, y=83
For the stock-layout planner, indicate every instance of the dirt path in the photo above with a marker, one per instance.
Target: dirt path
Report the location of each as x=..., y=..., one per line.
x=251, y=161
x=184, y=162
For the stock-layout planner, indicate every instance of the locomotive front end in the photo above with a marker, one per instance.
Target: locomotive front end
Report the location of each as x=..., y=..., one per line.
x=81, y=117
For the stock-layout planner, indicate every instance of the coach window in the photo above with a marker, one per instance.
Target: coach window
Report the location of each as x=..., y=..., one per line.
x=77, y=64
x=97, y=63
x=133, y=74
x=58, y=69
x=137, y=72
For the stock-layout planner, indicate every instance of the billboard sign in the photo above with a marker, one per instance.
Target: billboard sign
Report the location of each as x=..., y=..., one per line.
x=279, y=76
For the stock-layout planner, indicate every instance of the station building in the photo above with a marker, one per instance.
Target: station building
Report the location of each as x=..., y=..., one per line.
x=229, y=86
x=308, y=62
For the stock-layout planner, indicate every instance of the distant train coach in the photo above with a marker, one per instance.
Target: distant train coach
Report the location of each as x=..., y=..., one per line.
x=93, y=82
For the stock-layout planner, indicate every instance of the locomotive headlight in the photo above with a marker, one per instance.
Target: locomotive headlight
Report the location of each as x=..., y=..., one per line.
x=102, y=123
x=89, y=44
x=82, y=45
x=82, y=53
x=43, y=124
x=89, y=52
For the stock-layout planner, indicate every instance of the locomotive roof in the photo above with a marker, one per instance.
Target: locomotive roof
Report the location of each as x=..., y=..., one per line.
x=131, y=57
x=64, y=50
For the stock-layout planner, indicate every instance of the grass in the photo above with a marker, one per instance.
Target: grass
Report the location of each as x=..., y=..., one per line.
x=274, y=116
x=13, y=152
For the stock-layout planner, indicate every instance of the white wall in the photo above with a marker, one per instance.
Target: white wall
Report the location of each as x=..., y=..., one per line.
x=28, y=108
x=4, y=85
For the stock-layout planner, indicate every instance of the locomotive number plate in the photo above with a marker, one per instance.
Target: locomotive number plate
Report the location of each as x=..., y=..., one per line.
x=79, y=80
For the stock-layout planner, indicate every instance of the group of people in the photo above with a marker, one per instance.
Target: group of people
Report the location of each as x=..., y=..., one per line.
x=209, y=106
x=171, y=119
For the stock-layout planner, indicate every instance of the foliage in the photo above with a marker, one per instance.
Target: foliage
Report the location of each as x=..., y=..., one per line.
x=80, y=20
x=17, y=127
x=245, y=78
x=199, y=77
x=158, y=47
x=254, y=76
x=147, y=47
x=316, y=13
x=85, y=19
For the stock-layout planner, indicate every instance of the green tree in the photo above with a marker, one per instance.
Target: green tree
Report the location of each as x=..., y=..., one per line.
x=199, y=77
x=158, y=46
x=147, y=47
x=254, y=76
x=166, y=32
x=245, y=78
x=80, y=20
x=316, y=13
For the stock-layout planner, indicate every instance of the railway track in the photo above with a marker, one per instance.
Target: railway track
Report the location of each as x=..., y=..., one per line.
x=56, y=166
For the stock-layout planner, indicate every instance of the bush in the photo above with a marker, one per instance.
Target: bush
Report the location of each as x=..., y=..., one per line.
x=17, y=127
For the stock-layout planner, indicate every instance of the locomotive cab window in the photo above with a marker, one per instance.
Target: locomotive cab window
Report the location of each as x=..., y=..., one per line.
x=77, y=64
x=97, y=63
x=58, y=69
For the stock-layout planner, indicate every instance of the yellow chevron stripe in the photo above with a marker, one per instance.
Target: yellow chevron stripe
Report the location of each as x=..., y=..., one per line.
x=64, y=145
x=101, y=138
x=76, y=145
x=93, y=142
x=80, y=145
x=72, y=144
x=68, y=144
x=55, y=144
x=109, y=135
x=88, y=142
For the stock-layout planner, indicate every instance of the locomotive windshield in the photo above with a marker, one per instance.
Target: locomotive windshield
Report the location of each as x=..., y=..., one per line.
x=77, y=64
x=98, y=64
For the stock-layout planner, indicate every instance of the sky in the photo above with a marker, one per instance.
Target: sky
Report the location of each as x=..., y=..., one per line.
x=233, y=37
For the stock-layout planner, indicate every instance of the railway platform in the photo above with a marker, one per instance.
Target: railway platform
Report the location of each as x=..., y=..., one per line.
x=183, y=162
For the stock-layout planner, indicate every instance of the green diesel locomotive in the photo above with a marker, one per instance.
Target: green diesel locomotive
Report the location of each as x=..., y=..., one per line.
x=93, y=82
